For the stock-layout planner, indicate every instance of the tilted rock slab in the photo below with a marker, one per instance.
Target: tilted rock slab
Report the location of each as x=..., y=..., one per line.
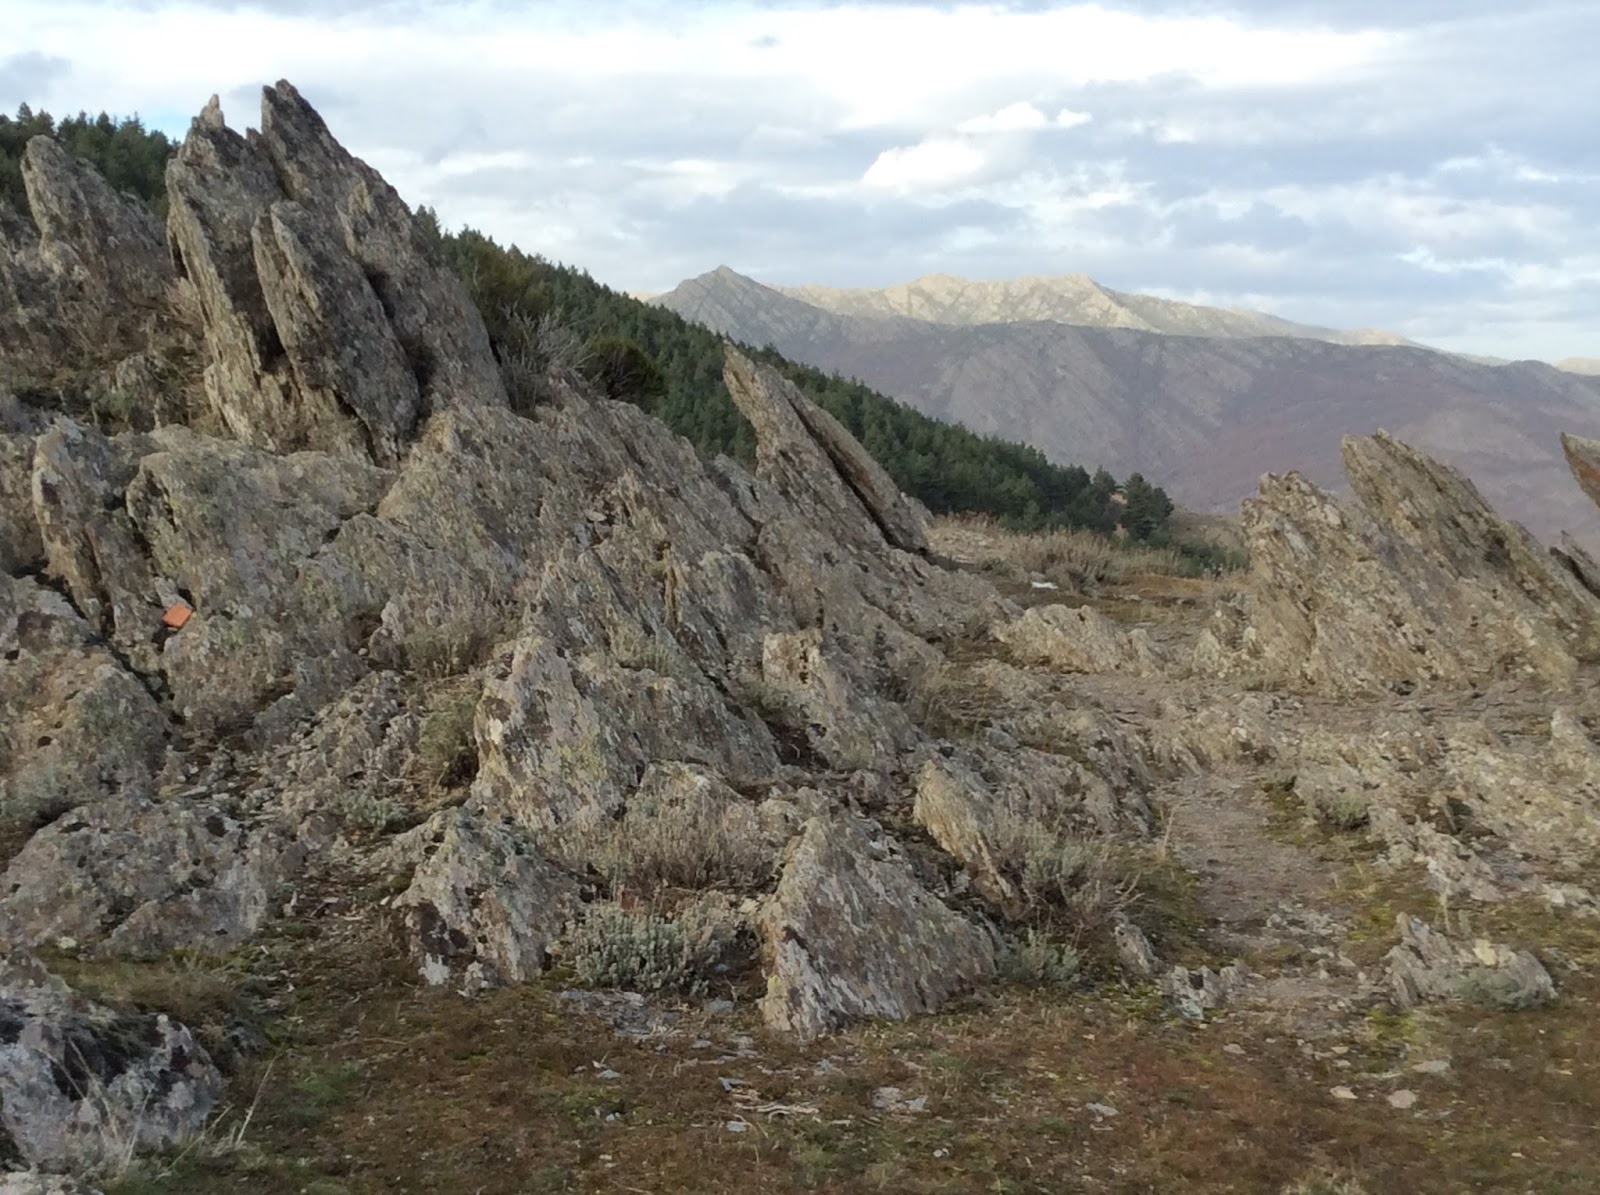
x=1422, y=583
x=850, y=933
x=1081, y=640
x=801, y=445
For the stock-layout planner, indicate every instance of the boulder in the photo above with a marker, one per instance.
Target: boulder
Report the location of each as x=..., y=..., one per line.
x=1428, y=966
x=83, y=1087
x=850, y=933
x=483, y=904
x=135, y=878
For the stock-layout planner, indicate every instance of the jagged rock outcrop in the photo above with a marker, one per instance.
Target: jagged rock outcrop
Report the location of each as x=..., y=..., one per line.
x=83, y=1087
x=850, y=933
x=1428, y=966
x=1351, y=599
x=87, y=281
x=636, y=672
x=329, y=322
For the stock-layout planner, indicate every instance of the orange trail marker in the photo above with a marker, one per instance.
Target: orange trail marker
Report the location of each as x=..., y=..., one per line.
x=177, y=614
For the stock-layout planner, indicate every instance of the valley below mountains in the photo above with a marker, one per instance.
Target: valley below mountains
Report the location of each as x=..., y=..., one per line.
x=1199, y=400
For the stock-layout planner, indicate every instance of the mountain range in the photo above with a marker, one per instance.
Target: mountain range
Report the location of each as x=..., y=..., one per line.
x=1202, y=401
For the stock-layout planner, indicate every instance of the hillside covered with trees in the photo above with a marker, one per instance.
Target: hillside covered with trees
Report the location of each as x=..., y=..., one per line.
x=651, y=356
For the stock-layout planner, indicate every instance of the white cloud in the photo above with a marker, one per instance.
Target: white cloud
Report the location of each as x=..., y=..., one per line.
x=1013, y=118
x=1022, y=117
x=932, y=165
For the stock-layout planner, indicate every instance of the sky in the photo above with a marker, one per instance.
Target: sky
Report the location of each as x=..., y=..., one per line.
x=1424, y=166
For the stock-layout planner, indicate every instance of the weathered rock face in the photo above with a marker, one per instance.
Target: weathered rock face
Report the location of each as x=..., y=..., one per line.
x=850, y=933
x=82, y=1087
x=329, y=323
x=75, y=725
x=1350, y=600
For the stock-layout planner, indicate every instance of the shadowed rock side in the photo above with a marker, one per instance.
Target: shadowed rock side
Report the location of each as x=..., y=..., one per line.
x=570, y=691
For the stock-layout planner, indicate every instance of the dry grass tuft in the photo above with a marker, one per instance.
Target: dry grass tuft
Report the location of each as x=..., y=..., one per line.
x=953, y=700
x=679, y=839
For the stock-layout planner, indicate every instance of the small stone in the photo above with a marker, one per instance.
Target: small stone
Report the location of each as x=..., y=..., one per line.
x=1434, y=1066
x=1102, y=1110
x=886, y=1097
x=1402, y=1099
x=1233, y=1047
x=608, y=1074
x=1342, y=1093
x=737, y=1126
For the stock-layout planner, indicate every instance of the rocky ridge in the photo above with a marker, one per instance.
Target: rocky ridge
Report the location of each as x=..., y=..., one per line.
x=547, y=673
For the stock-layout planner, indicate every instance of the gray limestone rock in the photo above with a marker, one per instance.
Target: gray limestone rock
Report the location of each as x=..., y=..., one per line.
x=82, y=1087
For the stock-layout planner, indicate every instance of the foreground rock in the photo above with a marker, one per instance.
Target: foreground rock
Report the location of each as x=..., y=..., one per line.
x=82, y=1087
x=850, y=933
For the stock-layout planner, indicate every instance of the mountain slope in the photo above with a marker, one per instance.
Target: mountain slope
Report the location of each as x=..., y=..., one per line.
x=1204, y=417
x=1065, y=299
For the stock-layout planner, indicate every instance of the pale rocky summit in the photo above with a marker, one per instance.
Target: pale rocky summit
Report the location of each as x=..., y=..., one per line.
x=515, y=673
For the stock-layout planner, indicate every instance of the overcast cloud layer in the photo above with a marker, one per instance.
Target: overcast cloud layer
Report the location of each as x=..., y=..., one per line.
x=1428, y=167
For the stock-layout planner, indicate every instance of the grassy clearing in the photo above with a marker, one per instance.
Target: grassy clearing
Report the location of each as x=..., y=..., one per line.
x=381, y=1087
x=1075, y=559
